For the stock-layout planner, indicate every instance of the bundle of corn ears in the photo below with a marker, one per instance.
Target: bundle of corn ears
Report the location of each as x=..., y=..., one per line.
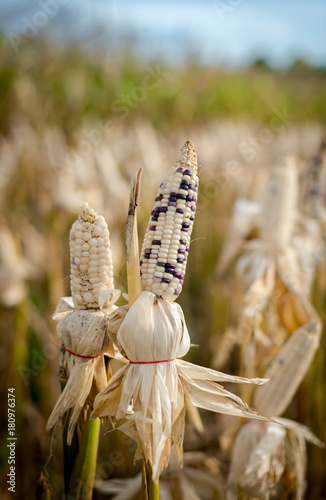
x=82, y=325
x=154, y=335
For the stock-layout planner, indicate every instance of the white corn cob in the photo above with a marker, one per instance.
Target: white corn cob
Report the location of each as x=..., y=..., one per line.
x=167, y=239
x=287, y=370
x=279, y=204
x=91, y=269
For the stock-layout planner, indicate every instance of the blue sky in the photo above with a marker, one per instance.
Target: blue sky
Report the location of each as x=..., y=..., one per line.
x=231, y=32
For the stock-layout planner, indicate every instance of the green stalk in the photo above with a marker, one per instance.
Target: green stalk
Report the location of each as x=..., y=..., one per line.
x=70, y=453
x=150, y=490
x=81, y=484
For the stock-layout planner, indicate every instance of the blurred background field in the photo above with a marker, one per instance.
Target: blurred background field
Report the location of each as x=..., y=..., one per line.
x=77, y=121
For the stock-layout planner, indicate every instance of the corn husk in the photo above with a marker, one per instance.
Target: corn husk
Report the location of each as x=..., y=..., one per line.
x=154, y=330
x=268, y=458
x=257, y=459
x=287, y=370
x=85, y=333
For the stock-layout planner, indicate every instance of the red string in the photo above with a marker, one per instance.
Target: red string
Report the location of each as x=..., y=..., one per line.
x=79, y=355
x=150, y=362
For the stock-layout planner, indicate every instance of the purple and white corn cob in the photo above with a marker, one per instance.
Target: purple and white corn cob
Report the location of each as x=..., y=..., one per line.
x=166, y=244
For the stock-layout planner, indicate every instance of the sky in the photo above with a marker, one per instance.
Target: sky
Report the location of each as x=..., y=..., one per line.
x=228, y=32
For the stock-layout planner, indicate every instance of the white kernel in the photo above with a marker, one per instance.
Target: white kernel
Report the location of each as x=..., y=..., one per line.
x=93, y=250
x=93, y=242
x=88, y=297
x=86, y=236
x=83, y=268
x=77, y=297
x=98, y=230
x=94, y=280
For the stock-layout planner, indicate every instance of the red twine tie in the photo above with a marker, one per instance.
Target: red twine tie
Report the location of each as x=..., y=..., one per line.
x=150, y=362
x=79, y=355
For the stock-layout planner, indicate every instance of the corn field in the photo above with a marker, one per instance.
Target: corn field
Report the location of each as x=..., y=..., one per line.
x=254, y=291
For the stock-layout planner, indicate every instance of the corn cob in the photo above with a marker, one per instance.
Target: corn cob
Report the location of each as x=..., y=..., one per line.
x=167, y=239
x=279, y=204
x=287, y=370
x=91, y=269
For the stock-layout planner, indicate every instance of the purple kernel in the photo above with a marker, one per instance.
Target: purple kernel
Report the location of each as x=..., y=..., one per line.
x=180, y=169
x=176, y=292
x=73, y=261
x=187, y=249
x=152, y=228
x=159, y=197
x=173, y=198
x=180, y=261
x=187, y=172
x=184, y=229
x=193, y=209
x=161, y=264
x=191, y=218
x=146, y=256
x=177, y=275
x=169, y=271
x=140, y=262
x=184, y=224
x=172, y=204
x=165, y=280
x=147, y=250
x=181, y=197
x=157, y=280
x=162, y=209
x=183, y=242
x=189, y=198
x=154, y=218
x=156, y=242
x=179, y=211
x=181, y=251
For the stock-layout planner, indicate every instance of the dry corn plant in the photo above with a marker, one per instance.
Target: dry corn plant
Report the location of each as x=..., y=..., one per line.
x=151, y=391
x=83, y=330
x=273, y=282
x=268, y=460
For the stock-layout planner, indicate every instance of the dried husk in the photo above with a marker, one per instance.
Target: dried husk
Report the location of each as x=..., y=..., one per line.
x=155, y=330
x=267, y=459
x=85, y=333
x=258, y=460
x=287, y=370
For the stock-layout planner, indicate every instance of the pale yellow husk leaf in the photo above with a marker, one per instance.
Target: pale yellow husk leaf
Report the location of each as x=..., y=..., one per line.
x=154, y=330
